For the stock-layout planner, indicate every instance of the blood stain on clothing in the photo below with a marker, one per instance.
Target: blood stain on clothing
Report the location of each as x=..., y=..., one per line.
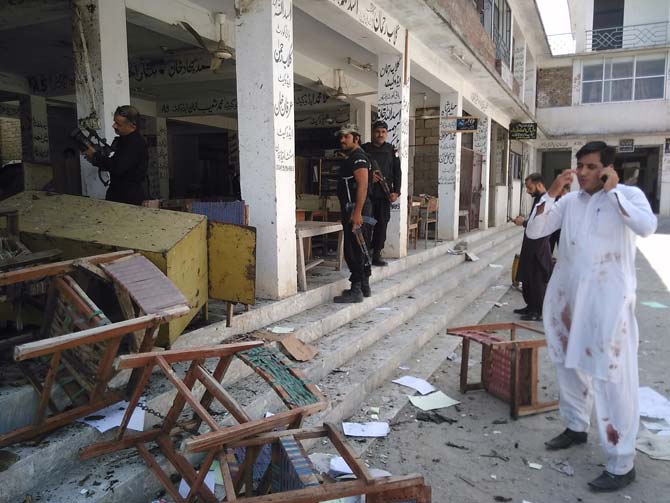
x=616, y=350
x=564, y=342
x=612, y=434
x=585, y=393
x=588, y=352
x=566, y=317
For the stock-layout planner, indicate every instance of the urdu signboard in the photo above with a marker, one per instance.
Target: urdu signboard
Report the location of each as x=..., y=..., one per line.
x=523, y=131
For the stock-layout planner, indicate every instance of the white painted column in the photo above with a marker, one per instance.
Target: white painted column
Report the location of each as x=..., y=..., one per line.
x=449, y=166
x=482, y=143
x=360, y=113
x=664, y=207
x=519, y=69
x=264, y=41
x=101, y=73
x=531, y=82
x=393, y=107
x=34, y=128
x=576, y=82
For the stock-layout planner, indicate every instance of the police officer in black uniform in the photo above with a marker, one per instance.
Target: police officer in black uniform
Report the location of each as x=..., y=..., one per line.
x=352, y=191
x=385, y=159
x=128, y=165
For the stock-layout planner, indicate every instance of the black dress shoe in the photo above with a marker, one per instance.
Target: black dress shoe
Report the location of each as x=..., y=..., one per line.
x=608, y=482
x=522, y=310
x=566, y=439
x=379, y=262
x=531, y=317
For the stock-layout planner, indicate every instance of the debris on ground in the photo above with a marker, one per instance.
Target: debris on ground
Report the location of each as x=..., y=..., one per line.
x=562, y=465
x=432, y=416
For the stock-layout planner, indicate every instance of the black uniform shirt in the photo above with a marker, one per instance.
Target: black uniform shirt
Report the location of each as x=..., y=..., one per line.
x=355, y=161
x=387, y=159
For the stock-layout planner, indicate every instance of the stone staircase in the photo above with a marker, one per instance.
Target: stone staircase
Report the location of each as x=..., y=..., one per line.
x=414, y=299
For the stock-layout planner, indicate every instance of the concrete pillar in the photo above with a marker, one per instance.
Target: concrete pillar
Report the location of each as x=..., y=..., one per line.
x=449, y=166
x=519, y=69
x=531, y=82
x=101, y=73
x=360, y=113
x=393, y=107
x=664, y=208
x=264, y=41
x=34, y=128
x=482, y=144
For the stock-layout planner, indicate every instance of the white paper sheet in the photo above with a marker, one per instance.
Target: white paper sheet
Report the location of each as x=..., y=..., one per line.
x=421, y=385
x=184, y=488
x=653, y=404
x=339, y=466
x=372, y=429
x=112, y=416
x=437, y=400
x=282, y=330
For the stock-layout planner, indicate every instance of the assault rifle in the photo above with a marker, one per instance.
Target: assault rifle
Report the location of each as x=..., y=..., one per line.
x=360, y=239
x=383, y=184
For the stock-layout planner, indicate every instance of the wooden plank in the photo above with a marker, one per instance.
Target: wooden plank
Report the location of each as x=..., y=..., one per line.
x=313, y=264
x=219, y=372
x=56, y=421
x=55, y=269
x=302, y=277
x=270, y=437
x=186, y=392
x=130, y=440
x=219, y=392
x=105, y=368
x=46, y=389
x=178, y=355
x=160, y=474
x=297, y=349
x=128, y=311
x=26, y=259
x=180, y=400
x=197, y=485
x=345, y=450
x=134, y=400
x=97, y=334
x=336, y=490
x=465, y=356
x=222, y=437
x=227, y=478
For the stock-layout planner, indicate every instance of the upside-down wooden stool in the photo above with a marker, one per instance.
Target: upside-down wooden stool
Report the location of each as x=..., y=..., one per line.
x=79, y=343
x=509, y=368
x=302, y=399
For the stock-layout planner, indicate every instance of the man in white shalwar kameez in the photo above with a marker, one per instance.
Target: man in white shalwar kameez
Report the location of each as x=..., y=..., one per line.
x=589, y=307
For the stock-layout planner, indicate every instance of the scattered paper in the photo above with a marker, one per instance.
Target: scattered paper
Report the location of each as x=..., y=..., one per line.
x=339, y=466
x=421, y=385
x=403, y=367
x=654, y=446
x=184, y=488
x=373, y=429
x=281, y=330
x=383, y=308
x=653, y=404
x=374, y=410
x=437, y=400
x=496, y=266
x=268, y=414
x=374, y=416
x=110, y=417
x=653, y=304
x=561, y=465
x=658, y=425
x=535, y=466
x=216, y=470
x=471, y=257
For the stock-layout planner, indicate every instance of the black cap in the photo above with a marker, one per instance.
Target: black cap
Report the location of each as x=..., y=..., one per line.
x=380, y=124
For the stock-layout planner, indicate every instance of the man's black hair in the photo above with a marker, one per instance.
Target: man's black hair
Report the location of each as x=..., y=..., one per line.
x=131, y=114
x=607, y=153
x=535, y=178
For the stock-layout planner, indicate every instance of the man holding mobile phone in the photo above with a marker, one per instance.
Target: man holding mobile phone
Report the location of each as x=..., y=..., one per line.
x=589, y=307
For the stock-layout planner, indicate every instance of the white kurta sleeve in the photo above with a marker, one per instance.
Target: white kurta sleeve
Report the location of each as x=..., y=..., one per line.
x=548, y=221
x=634, y=209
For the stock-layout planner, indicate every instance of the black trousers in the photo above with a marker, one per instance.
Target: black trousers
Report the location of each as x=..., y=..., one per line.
x=381, y=211
x=353, y=255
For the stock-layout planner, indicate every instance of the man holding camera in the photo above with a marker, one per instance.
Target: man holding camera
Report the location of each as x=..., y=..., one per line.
x=589, y=307
x=128, y=164
x=386, y=164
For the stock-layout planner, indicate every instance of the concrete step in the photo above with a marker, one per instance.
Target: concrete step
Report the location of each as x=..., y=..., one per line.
x=343, y=346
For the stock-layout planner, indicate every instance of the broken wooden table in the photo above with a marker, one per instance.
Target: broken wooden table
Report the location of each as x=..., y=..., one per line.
x=509, y=368
x=289, y=475
x=310, y=229
x=302, y=400
x=79, y=343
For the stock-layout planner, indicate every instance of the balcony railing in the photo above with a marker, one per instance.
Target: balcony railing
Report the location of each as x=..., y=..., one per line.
x=619, y=37
x=502, y=47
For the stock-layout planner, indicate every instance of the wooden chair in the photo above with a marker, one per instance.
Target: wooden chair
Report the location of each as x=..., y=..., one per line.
x=509, y=368
x=79, y=343
x=302, y=400
x=292, y=477
x=429, y=216
x=414, y=221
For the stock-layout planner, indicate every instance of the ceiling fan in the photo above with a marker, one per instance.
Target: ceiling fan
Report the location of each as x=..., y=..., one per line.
x=221, y=52
x=424, y=115
x=339, y=94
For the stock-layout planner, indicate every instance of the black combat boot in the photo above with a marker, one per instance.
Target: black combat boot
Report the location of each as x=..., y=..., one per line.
x=352, y=296
x=377, y=259
x=365, y=287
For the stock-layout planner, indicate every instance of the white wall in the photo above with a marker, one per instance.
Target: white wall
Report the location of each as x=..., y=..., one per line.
x=645, y=11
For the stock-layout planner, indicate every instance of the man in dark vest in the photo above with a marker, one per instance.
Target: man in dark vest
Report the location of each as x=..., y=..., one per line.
x=128, y=165
x=535, y=263
x=386, y=174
